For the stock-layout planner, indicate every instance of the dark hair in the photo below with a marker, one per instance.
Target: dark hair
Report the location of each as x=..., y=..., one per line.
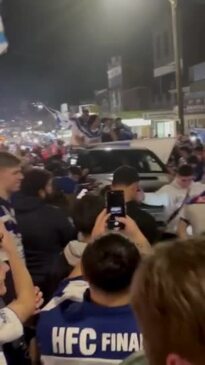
x=193, y=160
x=110, y=262
x=75, y=170
x=92, y=119
x=35, y=180
x=85, y=110
x=86, y=211
x=7, y=160
x=125, y=175
x=185, y=170
x=185, y=149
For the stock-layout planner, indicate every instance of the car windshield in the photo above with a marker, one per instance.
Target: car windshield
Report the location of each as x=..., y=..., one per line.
x=107, y=161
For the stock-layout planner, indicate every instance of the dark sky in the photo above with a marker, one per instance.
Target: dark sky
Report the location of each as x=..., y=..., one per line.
x=59, y=48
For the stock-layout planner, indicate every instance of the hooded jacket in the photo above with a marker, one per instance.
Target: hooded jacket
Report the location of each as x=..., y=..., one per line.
x=45, y=232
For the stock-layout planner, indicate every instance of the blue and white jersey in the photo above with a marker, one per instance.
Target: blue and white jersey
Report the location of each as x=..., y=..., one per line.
x=74, y=330
x=10, y=329
x=7, y=216
x=79, y=129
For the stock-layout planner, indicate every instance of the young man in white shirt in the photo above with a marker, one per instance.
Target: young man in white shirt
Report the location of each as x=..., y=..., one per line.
x=173, y=196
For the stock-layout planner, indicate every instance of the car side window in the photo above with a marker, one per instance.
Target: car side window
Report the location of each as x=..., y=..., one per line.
x=103, y=162
x=106, y=162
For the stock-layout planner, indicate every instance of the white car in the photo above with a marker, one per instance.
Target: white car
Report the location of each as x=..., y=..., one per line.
x=103, y=159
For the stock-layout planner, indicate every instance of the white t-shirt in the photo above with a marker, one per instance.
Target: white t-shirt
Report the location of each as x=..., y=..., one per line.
x=10, y=329
x=171, y=197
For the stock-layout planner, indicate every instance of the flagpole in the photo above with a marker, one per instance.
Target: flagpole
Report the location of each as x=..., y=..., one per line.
x=178, y=61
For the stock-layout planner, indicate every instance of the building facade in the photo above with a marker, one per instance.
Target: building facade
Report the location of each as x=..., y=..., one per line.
x=192, y=20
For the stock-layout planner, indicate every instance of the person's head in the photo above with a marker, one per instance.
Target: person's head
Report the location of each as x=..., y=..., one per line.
x=10, y=174
x=85, y=115
x=185, y=152
x=85, y=213
x=75, y=173
x=168, y=297
x=3, y=270
x=106, y=122
x=37, y=183
x=193, y=162
x=199, y=152
x=126, y=178
x=94, y=122
x=109, y=264
x=185, y=176
x=118, y=122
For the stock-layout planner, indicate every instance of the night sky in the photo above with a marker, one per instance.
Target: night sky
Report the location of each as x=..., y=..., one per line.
x=59, y=48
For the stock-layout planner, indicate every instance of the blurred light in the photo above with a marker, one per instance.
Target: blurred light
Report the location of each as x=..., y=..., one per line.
x=193, y=139
x=38, y=105
x=40, y=122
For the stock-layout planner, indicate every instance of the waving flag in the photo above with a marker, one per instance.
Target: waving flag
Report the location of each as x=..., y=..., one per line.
x=3, y=40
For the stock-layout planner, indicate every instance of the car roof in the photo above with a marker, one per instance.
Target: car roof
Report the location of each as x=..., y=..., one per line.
x=114, y=146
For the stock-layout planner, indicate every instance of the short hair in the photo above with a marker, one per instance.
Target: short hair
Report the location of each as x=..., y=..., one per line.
x=86, y=211
x=34, y=181
x=168, y=297
x=125, y=175
x=7, y=160
x=193, y=160
x=75, y=170
x=185, y=171
x=110, y=262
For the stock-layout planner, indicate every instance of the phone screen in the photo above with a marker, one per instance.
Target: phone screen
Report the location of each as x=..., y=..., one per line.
x=116, y=208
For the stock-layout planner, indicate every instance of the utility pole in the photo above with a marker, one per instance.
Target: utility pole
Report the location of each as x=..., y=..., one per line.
x=178, y=61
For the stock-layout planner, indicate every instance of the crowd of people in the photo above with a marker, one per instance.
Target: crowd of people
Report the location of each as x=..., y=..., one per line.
x=74, y=292
x=91, y=129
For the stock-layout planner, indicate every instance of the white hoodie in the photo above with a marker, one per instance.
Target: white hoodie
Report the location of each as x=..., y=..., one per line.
x=171, y=196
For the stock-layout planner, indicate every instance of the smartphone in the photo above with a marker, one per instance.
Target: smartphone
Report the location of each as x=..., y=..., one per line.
x=116, y=207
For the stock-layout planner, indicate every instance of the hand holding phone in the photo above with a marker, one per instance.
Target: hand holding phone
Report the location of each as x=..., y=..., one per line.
x=116, y=207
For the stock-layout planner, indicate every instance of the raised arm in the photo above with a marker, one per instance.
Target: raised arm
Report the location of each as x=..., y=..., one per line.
x=24, y=304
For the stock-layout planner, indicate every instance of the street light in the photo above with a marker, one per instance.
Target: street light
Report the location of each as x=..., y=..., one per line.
x=178, y=61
